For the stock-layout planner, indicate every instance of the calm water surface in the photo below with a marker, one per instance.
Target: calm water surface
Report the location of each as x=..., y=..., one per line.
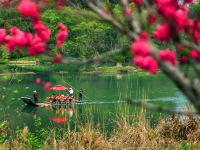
x=105, y=95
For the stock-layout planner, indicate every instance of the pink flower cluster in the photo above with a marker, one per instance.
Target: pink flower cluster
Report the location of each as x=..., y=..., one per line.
x=195, y=55
x=5, y=2
x=47, y=85
x=58, y=58
x=2, y=35
x=148, y=63
x=28, y=8
x=163, y=32
x=194, y=30
x=188, y=1
x=174, y=13
x=35, y=43
x=138, y=2
x=141, y=50
x=168, y=56
x=62, y=34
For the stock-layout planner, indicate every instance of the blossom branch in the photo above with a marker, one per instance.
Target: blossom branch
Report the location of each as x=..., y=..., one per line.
x=186, y=85
x=112, y=21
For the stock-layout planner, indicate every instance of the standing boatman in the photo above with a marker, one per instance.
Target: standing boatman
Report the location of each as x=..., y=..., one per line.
x=71, y=92
x=35, y=96
x=80, y=96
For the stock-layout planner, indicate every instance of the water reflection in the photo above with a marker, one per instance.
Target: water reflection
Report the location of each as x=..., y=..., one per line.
x=62, y=113
x=29, y=109
x=105, y=96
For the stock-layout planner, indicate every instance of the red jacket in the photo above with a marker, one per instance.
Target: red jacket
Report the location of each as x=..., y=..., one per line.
x=34, y=95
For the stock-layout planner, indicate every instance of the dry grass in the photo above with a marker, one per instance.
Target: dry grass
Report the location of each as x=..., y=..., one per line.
x=86, y=138
x=172, y=133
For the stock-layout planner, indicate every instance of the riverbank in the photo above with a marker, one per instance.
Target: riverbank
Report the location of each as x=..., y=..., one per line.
x=24, y=66
x=171, y=133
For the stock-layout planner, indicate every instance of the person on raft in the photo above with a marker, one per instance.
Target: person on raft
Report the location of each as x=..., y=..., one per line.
x=35, y=96
x=71, y=92
x=80, y=96
x=54, y=97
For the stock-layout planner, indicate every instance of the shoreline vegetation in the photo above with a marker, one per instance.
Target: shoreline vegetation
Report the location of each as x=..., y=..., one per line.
x=34, y=66
x=172, y=133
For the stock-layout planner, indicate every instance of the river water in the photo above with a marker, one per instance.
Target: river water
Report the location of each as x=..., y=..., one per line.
x=105, y=96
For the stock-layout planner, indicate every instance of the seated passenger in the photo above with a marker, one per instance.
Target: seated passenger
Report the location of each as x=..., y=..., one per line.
x=62, y=98
x=71, y=92
x=54, y=97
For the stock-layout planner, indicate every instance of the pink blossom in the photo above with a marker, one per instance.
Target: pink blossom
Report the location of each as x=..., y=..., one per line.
x=168, y=11
x=19, y=36
x=163, y=32
x=164, y=3
x=195, y=55
x=143, y=35
x=152, y=64
x=183, y=59
x=59, y=4
x=29, y=38
x=138, y=2
x=168, y=56
x=148, y=63
x=43, y=31
x=5, y=2
x=180, y=47
x=13, y=30
x=180, y=19
x=127, y=11
x=188, y=1
x=61, y=35
x=37, y=46
x=10, y=43
x=198, y=26
x=61, y=26
x=57, y=58
x=197, y=36
x=167, y=8
x=190, y=26
x=2, y=35
x=28, y=8
x=37, y=81
x=152, y=19
x=47, y=86
x=141, y=47
x=138, y=60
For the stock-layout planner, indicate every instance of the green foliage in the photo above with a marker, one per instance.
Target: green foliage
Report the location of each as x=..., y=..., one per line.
x=183, y=146
x=195, y=10
x=3, y=131
x=33, y=140
x=4, y=54
x=118, y=58
x=86, y=37
x=11, y=16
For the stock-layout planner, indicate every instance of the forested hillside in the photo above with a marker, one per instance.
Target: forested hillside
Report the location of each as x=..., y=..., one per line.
x=88, y=36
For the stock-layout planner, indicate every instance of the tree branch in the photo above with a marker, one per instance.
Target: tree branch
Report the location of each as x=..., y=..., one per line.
x=182, y=82
x=112, y=21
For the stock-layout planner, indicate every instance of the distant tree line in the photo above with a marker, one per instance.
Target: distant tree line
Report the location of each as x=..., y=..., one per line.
x=88, y=37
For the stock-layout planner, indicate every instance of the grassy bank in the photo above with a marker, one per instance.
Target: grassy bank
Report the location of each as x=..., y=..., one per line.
x=116, y=69
x=46, y=65
x=172, y=133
